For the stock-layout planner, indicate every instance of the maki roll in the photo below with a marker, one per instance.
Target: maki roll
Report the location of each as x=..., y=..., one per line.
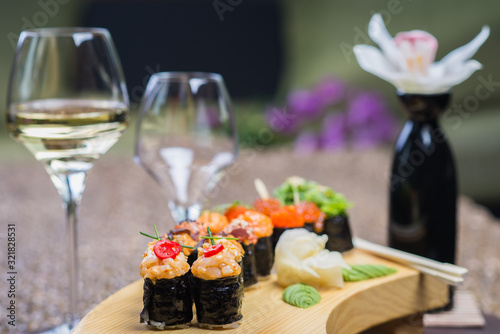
x=334, y=205
x=214, y=220
x=243, y=230
x=313, y=216
x=338, y=232
x=217, y=285
x=196, y=229
x=167, y=296
x=285, y=218
x=183, y=237
x=263, y=228
x=234, y=210
x=267, y=206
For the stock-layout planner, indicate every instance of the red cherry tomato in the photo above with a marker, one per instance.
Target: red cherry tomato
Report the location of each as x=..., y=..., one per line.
x=166, y=249
x=213, y=250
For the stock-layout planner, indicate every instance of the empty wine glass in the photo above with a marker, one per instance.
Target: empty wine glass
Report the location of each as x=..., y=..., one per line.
x=185, y=137
x=68, y=104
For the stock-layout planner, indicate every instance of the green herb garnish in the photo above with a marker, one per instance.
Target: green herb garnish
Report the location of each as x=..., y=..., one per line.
x=150, y=236
x=328, y=201
x=210, y=234
x=158, y=237
x=217, y=238
x=212, y=238
x=222, y=208
x=156, y=230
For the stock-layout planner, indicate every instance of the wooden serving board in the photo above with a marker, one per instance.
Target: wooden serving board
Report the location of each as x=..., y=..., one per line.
x=354, y=308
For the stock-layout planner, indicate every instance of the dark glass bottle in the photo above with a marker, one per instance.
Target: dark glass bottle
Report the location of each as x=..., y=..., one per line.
x=423, y=192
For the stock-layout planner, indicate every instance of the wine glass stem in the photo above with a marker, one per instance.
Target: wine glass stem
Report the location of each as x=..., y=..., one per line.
x=71, y=227
x=70, y=186
x=181, y=213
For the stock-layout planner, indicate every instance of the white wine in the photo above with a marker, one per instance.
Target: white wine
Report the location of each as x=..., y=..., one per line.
x=67, y=134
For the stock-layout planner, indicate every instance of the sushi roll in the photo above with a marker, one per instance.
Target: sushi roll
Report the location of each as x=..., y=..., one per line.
x=313, y=216
x=338, y=232
x=334, y=205
x=183, y=237
x=263, y=229
x=217, y=285
x=234, y=210
x=243, y=230
x=267, y=206
x=283, y=219
x=167, y=295
x=196, y=229
x=214, y=220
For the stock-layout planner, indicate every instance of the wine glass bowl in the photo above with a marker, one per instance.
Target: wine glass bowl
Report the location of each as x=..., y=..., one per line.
x=67, y=100
x=185, y=137
x=67, y=104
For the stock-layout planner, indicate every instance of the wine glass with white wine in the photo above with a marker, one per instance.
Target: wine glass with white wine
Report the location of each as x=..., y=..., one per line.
x=186, y=137
x=68, y=104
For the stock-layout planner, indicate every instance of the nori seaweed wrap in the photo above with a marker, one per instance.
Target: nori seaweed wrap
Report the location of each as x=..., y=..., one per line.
x=167, y=302
x=194, y=254
x=338, y=232
x=217, y=284
x=264, y=256
x=309, y=227
x=218, y=302
x=167, y=295
x=243, y=230
x=262, y=227
x=277, y=232
x=249, y=269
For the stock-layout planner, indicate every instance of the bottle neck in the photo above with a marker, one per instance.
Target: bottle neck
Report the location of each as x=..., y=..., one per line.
x=420, y=121
x=422, y=108
x=420, y=118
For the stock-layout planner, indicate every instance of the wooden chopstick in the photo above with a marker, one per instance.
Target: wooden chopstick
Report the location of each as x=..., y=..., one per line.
x=447, y=278
x=447, y=272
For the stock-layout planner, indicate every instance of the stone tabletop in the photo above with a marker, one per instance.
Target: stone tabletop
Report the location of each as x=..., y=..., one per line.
x=121, y=199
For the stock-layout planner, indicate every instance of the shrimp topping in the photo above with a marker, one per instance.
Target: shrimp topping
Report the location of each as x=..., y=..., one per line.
x=154, y=268
x=223, y=264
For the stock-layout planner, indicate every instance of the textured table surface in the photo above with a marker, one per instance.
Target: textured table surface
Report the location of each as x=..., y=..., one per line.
x=121, y=200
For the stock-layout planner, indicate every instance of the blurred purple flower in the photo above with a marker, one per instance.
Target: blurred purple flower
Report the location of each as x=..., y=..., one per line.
x=306, y=142
x=369, y=120
x=363, y=121
x=365, y=108
x=304, y=104
x=280, y=120
x=334, y=132
x=329, y=91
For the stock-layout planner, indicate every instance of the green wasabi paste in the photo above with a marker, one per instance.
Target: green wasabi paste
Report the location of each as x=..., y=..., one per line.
x=361, y=272
x=301, y=295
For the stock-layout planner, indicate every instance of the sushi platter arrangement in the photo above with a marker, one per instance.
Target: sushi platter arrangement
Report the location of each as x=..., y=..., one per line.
x=285, y=264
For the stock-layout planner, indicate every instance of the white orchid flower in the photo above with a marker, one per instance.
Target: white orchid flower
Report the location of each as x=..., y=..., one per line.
x=407, y=61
